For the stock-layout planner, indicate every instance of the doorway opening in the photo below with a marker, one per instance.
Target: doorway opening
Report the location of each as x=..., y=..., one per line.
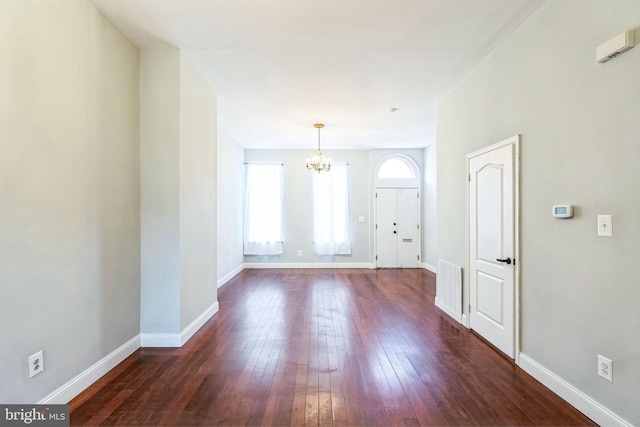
x=397, y=213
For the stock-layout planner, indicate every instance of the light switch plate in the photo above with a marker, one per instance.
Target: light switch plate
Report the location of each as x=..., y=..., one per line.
x=605, y=226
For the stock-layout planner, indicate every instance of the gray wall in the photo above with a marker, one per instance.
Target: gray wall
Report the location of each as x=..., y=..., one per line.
x=230, y=202
x=298, y=205
x=160, y=190
x=69, y=177
x=580, y=124
x=429, y=209
x=178, y=133
x=198, y=182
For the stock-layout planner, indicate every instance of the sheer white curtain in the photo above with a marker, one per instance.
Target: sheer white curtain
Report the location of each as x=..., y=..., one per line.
x=263, y=210
x=331, y=211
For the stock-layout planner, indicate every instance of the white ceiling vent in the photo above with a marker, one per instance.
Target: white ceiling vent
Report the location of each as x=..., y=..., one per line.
x=614, y=47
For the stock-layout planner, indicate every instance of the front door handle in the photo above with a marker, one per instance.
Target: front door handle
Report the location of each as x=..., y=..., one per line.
x=506, y=260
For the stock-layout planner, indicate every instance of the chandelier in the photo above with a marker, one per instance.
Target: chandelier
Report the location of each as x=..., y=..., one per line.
x=317, y=163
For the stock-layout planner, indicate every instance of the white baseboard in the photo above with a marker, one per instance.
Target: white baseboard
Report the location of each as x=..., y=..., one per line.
x=307, y=265
x=176, y=340
x=160, y=340
x=81, y=382
x=585, y=404
x=197, y=324
x=460, y=318
x=233, y=273
x=430, y=267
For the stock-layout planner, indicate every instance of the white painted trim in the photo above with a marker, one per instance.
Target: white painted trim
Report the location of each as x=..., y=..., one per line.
x=431, y=268
x=230, y=275
x=81, y=382
x=177, y=340
x=517, y=261
x=511, y=140
x=190, y=330
x=585, y=404
x=308, y=265
x=455, y=316
x=160, y=340
x=464, y=320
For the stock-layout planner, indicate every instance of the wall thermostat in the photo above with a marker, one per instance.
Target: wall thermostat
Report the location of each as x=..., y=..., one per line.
x=563, y=211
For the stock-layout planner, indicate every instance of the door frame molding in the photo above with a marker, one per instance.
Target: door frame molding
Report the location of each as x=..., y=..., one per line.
x=466, y=315
x=409, y=183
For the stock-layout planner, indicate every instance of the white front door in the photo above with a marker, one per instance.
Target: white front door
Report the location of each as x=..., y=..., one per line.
x=397, y=228
x=492, y=272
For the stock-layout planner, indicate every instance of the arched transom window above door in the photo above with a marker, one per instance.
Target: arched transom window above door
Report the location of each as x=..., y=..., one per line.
x=395, y=168
x=397, y=171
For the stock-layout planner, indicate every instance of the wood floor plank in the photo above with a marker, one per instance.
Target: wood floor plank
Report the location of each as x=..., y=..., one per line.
x=322, y=347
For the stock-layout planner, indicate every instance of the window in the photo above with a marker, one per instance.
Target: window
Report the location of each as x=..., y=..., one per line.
x=331, y=211
x=263, y=210
x=397, y=171
x=395, y=168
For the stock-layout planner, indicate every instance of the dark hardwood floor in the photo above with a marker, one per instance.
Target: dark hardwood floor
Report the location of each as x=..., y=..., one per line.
x=324, y=347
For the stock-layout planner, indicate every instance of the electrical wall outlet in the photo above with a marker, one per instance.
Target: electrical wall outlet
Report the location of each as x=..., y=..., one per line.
x=36, y=364
x=605, y=368
x=299, y=252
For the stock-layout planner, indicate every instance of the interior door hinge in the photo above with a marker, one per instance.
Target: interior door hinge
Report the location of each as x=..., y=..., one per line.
x=418, y=226
x=418, y=195
x=418, y=257
x=376, y=195
x=376, y=226
x=469, y=177
x=376, y=257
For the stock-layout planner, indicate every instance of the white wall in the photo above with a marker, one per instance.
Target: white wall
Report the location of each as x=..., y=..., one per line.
x=69, y=216
x=178, y=127
x=230, y=206
x=298, y=206
x=580, y=122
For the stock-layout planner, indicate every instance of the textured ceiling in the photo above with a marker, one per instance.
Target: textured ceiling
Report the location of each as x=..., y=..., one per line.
x=279, y=66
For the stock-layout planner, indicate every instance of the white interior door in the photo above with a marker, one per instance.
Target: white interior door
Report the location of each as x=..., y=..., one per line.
x=492, y=199
x=397, y=228
x=408, y=228
x=386, y=228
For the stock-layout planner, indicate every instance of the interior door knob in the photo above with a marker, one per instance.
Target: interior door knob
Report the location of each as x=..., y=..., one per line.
x=507, y=260
x=394, y=231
